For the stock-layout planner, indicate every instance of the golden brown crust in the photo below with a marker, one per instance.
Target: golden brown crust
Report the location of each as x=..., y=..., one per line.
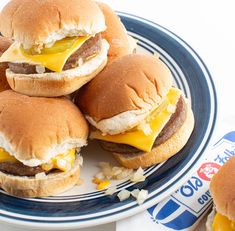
x=115, y=34
x=53, y=184
x=33, y=126
x=162, y=152
x=48, y=87
x=34, y=22
x=223, y=190
x=131, y=82
x=4, y=45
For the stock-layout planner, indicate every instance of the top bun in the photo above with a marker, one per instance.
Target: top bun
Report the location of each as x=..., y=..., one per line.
x=35, y=22
x=132, y=84
x=120, y=42
x=223, y=190
x=34, y=129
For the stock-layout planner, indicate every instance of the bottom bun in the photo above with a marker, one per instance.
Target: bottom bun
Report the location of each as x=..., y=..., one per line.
x=162, y=152
x=210, y=220
x=51, y=184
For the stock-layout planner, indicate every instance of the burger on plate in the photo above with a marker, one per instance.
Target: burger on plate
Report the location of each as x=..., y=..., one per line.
x=135, y=112
x=58, y=45
x=40, y=139
x=222, y=190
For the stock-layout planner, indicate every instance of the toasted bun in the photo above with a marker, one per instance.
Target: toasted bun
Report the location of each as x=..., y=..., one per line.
x=136, y=85
x=34, y=130
x=54, y=84
x=44, y=22
x=162, y=152
x=223, y=190
x=52, y=184
x=4, y=45
x=120, y=43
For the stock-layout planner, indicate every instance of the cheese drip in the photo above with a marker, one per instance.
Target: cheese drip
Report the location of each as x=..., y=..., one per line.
x=222, y=223
x=156, y=121
x=53, y=58
x=63, y=162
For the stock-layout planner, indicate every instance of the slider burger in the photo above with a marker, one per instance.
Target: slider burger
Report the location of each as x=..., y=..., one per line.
x=39, y=142
x=4, y=45
x=135, y=111
x=222, y=190
x=58, y=45
x=120, y=42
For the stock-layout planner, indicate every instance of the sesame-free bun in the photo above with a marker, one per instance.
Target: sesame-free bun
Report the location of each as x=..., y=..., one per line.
x=223, y=191
x=52, y=184
x=125, y=92
x=4, y=45
x=34, y=22
x=163, y=151
x=120, y=42
x=53, y=84
x=34, y=129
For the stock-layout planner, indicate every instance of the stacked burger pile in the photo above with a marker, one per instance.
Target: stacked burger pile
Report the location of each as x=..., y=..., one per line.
x=61, y=48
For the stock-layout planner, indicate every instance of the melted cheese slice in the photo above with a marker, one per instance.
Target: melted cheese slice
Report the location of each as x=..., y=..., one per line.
x=53, y=58
x=222, y=223
x=6, y=157
x=63, y=162
x=157, y=120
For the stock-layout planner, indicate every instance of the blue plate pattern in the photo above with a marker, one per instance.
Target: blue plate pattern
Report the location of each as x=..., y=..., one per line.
x=192, y=77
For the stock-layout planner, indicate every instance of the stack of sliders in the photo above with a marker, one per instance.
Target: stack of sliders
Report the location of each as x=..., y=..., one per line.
x=222, y=189
x=135, y=112
x=58, y=46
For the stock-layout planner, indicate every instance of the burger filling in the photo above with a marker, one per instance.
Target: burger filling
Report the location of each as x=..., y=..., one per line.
x=65, y=54
x=222, y=223
x=61, y=162
x=159, y=126
x=175, y=122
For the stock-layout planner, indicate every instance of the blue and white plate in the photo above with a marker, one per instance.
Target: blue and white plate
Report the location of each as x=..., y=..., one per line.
x=84, y=206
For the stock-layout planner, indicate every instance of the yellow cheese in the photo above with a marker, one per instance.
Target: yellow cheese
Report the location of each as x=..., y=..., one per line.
x=222, y=223
x=6, y=157
x=62, y=162
x=53, y=58
x=157, y=120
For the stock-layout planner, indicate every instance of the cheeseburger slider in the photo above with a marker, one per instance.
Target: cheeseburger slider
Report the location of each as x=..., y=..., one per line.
x=4, y=45
x=120, y=42
x=39, y=142
x=136, y=113
x=58, y=45
x=222, y=189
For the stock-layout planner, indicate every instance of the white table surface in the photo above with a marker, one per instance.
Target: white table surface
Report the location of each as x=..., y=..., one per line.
x=208, y=26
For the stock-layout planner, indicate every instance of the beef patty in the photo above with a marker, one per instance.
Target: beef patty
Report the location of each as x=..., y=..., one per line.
x=175, y=122
x=91, y=47
x=18, y=169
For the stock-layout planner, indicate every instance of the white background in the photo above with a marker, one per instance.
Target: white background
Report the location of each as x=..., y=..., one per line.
x=208, y=26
